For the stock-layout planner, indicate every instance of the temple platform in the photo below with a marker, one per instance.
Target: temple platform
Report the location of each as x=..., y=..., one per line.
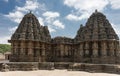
x=70, y=66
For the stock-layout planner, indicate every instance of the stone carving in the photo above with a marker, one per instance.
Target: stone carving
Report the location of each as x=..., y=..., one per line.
x=5, y=67
x=32, y=42
x=30, y=29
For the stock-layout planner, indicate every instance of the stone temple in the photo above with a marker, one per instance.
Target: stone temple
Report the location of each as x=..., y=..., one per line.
x=95, y=47
x=96, y=42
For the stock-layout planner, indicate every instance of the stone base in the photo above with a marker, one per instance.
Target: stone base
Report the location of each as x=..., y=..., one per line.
x=61, y=65
x=100, y=60
x=29, y=66
x=46, y=66
x=22, y=66
x=107, y=68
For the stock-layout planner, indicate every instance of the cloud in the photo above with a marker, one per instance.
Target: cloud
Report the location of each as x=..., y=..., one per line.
x=29, y=5
x=83, y=8
x=3, y=40
x=6, y=0
x=77, y=18
x=41, y=21
x=17, y=14
x=86, y=4
x=50, y=14
x=72, y=17
x=52, y=19
x=12, y=30
x=117, y=30
x=51, y=29
x=58, y=24
x=115, y=4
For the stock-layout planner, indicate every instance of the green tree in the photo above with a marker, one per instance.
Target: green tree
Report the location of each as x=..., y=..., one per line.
x=4, y=48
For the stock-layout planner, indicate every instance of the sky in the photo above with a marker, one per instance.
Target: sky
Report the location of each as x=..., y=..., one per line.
x=63, y=17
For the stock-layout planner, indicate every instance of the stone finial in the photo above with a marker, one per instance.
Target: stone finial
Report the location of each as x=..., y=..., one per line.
x=96, y=11
x=81, y=25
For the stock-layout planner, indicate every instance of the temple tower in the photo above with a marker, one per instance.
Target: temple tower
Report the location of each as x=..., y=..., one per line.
x=99, y=39
x=30, y=40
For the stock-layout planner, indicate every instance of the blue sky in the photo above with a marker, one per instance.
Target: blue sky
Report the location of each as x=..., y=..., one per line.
x=63, y=17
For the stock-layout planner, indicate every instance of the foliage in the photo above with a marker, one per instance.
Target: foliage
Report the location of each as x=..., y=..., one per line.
x=4, y=48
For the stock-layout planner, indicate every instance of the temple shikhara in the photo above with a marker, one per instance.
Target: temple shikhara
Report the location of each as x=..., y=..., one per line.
x=95, y=47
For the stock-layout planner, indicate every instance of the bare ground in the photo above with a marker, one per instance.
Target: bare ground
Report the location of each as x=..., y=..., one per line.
x=53, y=73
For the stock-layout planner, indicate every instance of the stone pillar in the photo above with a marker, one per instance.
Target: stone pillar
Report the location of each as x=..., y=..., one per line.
x=95, y=49
x=12, y=49
x=37, y=49
x=18, y=48
x=43, y=52
x=62, y=50
x=111, y=47
x=86, y=48
x=15, y=47
x=104, y=49
x=22, y=46
x=117, y=49
x=67, y=48
x=43, y=49
x=81, y=49
x=29, y=46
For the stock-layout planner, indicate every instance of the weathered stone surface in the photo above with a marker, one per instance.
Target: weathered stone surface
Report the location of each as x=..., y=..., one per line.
x=46, y=66
x=22, y=66
x=5, y=67
x=63, y=40
x=98, y=39
x=107, y=68
x=96, y=28
x=30, y=29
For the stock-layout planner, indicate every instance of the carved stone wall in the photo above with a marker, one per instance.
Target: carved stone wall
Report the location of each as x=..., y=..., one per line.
x=96, y=42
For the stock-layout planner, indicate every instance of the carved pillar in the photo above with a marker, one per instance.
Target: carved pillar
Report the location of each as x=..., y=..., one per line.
x=19, y=48
x=81, y=49
x=43, y=49
x=104, y=49
x=117, y=48
x=37, y=49
x=43, y=56
x=30, y=47
x=62, y=50
x=111, y=47
x=12, y=48
x=54, y=50
x=86, y=48
x=95, y=49
x=22, y=46
x=15, y=47
x=67, y=48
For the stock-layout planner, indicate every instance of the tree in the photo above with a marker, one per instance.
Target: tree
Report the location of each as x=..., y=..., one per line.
x=4, y=48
